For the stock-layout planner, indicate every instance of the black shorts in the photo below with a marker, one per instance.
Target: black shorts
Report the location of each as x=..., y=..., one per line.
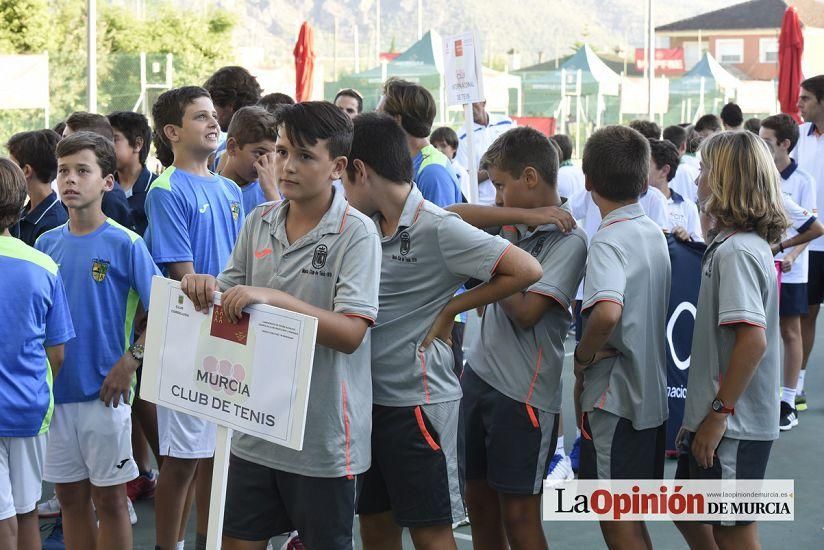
x=508, y=443
x=815, y=278
x=612, y=449
x=262, y=502
x=734, y=459
x=414, y=471
x=793, y=300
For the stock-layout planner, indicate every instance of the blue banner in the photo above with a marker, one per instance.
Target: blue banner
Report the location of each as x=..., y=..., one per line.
x=685, y=258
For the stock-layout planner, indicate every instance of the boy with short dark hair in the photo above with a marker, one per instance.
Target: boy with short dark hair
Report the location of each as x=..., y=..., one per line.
x=132, y=140
x=445, y=140
x=108, y=272
x=732, y=117
x=414, y=109
x=34, y=154
x=37, y=324
x=115, y=203
x=570, y=177
x=780, y=132
x=620, y=362
x=194, y=217
x=328, y=259
x=685, y=223
x=647, y=128
x=250, y=155
x=512, y=380
x=427, y=254
x=271, y=102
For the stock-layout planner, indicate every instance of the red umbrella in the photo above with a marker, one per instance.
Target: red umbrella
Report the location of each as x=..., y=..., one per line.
x=790, y=50
x=305, y=62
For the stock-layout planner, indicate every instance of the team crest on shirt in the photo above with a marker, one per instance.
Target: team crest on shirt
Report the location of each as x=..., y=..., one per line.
x=320, y=255
x=538, y=247
x=406, y=243
x=235, y=206
x=99, y=269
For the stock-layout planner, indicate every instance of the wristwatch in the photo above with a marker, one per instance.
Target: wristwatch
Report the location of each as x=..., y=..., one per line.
x=718, y=406
x=136, y=350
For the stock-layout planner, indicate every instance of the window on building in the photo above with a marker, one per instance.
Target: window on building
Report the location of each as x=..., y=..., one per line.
x=768, y=50
x=693, y=54
x=729, y=50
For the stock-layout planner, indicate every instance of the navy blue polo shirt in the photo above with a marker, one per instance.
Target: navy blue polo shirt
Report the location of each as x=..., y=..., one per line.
x=49, y=214
x=116, y=206
x=136, y=198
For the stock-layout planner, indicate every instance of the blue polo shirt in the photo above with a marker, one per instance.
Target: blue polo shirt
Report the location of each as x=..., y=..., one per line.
x=252, y=196
x=116, y=206
x=193, y=219
x=35, y=315
x=136, y=198
x=435, y=177
x=106, y=273
x=49, y=214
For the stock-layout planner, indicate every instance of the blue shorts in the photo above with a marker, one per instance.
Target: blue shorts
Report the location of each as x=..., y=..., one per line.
x=793, y=300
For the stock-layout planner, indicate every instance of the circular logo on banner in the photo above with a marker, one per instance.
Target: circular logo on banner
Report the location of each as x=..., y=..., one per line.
x=682, y=307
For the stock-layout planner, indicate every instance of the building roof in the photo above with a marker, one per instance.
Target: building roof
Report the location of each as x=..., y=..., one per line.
x=755, y=14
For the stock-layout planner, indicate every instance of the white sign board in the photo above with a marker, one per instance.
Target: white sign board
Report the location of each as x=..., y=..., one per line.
x=252, y=376
x=25, y=82
x=462, y=69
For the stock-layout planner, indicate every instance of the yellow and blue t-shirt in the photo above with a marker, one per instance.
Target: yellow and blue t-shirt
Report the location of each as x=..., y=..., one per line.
x=35, y=315
x=106, y=273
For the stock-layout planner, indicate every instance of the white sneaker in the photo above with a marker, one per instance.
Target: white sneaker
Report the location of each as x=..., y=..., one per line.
x=49, y=508
x=132, y=513
x=561, y=471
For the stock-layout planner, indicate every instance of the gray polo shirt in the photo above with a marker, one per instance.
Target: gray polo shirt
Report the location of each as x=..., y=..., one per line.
x=738, y=285
x=526, y=365
x=629, y=264
x=431, y=254
x=335, y=267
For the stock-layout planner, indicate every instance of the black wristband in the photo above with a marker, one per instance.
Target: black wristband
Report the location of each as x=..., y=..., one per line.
x=781, y=247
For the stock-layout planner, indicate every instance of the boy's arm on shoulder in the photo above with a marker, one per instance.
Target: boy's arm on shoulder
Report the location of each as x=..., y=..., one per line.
x=495, y=216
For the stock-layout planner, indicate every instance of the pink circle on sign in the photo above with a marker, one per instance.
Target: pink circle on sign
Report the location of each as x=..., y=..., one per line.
x=210, y=364
x=240, y=373
x=225, y=368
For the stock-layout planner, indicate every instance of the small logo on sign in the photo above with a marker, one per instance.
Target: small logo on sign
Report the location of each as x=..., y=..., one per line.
x=319, y=257
x=406, y=243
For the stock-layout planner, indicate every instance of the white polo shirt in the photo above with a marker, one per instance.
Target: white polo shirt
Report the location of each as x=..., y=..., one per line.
x=809, y=154
x=483, y=136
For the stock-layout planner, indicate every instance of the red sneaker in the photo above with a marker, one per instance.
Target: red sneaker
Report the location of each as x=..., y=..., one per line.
x=142, y=487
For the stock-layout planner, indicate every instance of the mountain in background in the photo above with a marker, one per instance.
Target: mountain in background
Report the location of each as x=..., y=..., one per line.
x=534, y=29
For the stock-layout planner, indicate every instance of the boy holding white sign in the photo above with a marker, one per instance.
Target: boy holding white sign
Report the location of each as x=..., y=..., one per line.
x=108, y=271
x=194, y=218
x=316, y=255
x=428, y=254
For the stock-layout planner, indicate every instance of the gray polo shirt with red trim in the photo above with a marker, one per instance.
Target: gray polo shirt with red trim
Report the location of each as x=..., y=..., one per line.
x=430, y=255
x=336, y=267
x=526, y=364
x=629, y=264
x=738, y=285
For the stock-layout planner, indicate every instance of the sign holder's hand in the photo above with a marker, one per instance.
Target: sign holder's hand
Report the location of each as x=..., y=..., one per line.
x=238, y=297
x=200, y=289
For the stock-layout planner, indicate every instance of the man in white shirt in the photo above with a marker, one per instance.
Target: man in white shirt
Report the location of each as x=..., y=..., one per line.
x=486, y=129
x=809, y=154
x=685, y=176
x=684, y=222
x=570, y=177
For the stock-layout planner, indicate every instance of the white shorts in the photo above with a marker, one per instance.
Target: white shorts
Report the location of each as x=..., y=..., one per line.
x=182, y=435
x=91, y=441
x=21, y=474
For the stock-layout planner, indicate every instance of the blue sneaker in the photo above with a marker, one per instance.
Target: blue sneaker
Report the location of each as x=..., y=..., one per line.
x=575, y=454
x=55, y=539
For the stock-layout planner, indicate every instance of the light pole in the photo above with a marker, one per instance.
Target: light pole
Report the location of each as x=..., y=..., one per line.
x=91, y=55
x=650, y=53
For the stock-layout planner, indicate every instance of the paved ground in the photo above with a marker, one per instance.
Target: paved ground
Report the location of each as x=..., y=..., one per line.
x=798, y=454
